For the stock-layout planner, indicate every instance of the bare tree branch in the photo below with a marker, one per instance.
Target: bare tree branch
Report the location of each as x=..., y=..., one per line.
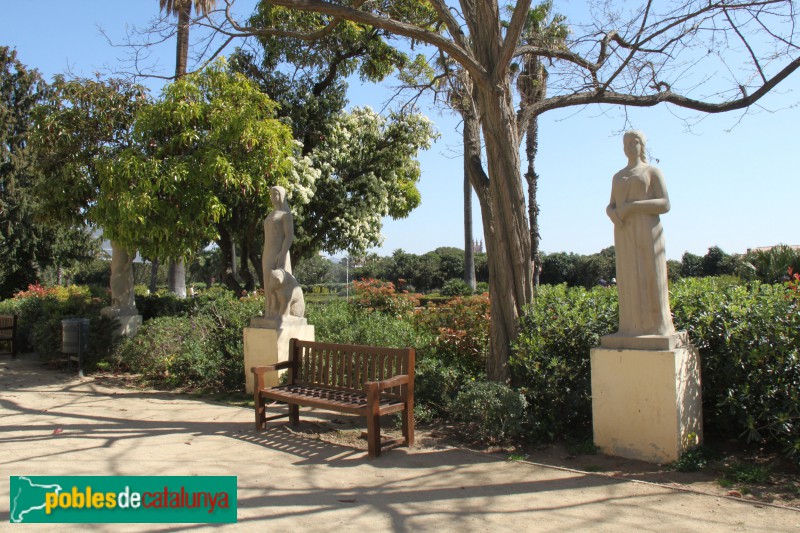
x=747, y=45
x=666, y=96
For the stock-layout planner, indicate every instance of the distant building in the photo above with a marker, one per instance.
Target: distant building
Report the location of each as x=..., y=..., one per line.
x=795, y=247
x=477, y=247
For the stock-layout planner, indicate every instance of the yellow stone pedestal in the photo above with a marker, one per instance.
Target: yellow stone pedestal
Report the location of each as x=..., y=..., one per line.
x=267, y=346
x=646, y=404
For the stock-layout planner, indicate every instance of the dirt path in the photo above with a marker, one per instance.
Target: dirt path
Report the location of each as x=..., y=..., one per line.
x=55, y=424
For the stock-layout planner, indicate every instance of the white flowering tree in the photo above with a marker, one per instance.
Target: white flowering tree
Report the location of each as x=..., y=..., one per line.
x=204, y=159
x=368, y=170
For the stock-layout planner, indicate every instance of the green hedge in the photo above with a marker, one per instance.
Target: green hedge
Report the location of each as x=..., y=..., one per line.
x=550, y=362
x=749, y=341
x=199, y=349
x=41, y=311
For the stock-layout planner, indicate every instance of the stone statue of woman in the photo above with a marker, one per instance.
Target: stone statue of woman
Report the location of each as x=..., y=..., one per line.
x=638, y=197
x=278, y=237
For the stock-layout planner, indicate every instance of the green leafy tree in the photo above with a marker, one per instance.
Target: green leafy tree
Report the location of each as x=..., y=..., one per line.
x=204, y=158
x=76, y=125
x=717, y=263
x=691, y=265
x=27, y=243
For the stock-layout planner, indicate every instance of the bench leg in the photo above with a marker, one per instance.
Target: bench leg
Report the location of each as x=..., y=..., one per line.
x=261, y=417
x=294, y=414
x=373, y=422
x=408, y=426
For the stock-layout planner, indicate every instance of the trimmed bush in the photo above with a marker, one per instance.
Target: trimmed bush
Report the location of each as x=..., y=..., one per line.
x=550, y=361
x=202, y=348
x=749, y=341
x=492, y=412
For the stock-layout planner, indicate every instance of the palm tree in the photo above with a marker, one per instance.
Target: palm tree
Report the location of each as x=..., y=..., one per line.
x=176, y=279
x=542, y=30
x=183, y=10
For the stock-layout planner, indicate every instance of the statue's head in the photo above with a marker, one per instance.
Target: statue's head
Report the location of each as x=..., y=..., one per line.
x=278, y=196
x=636, y=141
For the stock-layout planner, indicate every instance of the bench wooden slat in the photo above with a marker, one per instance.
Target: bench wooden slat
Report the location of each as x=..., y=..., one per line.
x=8, y=334
x=361, y=380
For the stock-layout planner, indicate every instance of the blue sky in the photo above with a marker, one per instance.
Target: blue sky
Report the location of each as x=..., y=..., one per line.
x=730, y=178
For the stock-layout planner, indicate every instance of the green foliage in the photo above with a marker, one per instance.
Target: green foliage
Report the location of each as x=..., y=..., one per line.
x=461, y=330
x=717, y=263
x=749, y=342
x=456, y=287
x=341, y=322
x=381, y=296
x=314, y=270
x=771, y=265
x=492, y=411
x=691, y=265
x=204, y=158
x=80, y=126
x=27, y=244
x=551, y=357
x=578, y=270
x=745, y=474
x=41, y=311
x=368, y=170
x=201, y=349
x=691, y=460
x=173, y=351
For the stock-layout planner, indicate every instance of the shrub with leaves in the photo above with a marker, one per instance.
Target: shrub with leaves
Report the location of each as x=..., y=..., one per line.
x=381, y=296
x=461, y=328
x=749, y=341
x=41, y=309
x=493, y=412
x=551, y=358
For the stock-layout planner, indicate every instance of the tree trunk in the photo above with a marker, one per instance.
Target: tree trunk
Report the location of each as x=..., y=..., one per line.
x=469, y=252
x=153, y=276
x=508, y=238
x=182, y=48
x=245, y=276
x=531, y=147
x=176, y=278
x=227, y=265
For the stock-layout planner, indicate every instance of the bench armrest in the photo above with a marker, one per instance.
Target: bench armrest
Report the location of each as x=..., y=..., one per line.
x=271, y=368
x=401, y=379
x=259, y=371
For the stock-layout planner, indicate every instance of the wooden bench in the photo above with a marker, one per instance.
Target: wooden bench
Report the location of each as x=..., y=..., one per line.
x=8, y=334
x=360, y=380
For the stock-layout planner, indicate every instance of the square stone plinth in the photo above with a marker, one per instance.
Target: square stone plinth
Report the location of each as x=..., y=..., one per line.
x=646, y=404
x=267, y=346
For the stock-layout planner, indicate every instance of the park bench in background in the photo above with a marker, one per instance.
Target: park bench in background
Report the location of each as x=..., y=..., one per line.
x=360, y=380
x=8, y=335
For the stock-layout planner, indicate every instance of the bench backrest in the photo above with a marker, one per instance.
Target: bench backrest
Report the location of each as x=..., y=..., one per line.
x=8, y=326
x=348, y=367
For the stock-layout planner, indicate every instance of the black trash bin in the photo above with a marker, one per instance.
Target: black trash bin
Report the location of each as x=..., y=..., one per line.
x=75, y=340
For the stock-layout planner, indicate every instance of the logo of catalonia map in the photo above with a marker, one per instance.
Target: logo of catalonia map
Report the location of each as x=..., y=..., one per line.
x=28, y=498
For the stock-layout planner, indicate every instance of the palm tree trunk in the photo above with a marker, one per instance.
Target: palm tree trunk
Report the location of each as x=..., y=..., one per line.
x=469, y=252
x=531, y=148
x=176, y=278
